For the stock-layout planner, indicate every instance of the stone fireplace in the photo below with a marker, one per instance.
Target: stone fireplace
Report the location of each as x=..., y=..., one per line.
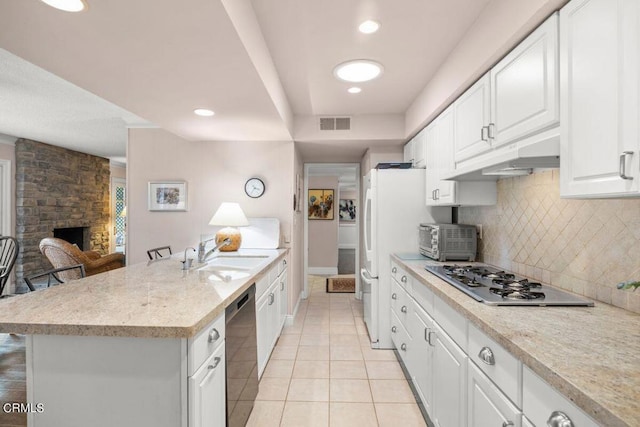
x=58, y=189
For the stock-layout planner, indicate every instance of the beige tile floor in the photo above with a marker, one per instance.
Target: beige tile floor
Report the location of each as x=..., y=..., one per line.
x=323, y=372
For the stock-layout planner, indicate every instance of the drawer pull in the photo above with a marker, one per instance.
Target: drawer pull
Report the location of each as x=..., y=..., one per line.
x=394, y=270
x=284, y=262
x=559, y=419
x=212, y=368
x=403, y=309
x=394, y=296
x=403, y=347
x=404, y=279
x=623, y=164
x=486, y=355
x=272, y=298
x=429, y=338
x=282, y=286
x=426, y=335
x=394, y=329
x=214, y=335
x=508, y=424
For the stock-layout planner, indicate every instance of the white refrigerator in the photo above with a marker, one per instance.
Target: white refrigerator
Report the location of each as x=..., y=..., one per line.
x=394, y=207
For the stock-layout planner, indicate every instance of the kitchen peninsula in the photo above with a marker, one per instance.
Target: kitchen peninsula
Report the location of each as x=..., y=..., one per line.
x=587, y=356
x=119, y=348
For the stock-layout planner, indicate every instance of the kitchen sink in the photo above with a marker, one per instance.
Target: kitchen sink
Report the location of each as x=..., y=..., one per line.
x=224, y=275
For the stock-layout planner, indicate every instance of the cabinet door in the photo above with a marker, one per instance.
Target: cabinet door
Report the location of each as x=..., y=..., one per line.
x=207, y=401
x=420, y=364
x=524, y=86
x=472, y=120
x=449, y=381
x=262, y=331
x=432, y=174
x=599, y=100
x=446, y=193
x=419, y=149
x=487, y=405
x=408, y=152
x=273, y=307
x=283, y=299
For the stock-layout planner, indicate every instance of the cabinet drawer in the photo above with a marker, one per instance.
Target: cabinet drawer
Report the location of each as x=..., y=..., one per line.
x=497, y=363
x=399, y=336
x=451, y=321
x=262, y=285
x=273, y=274
x=204, y=343
x=395, y=269
x=282, y=266
x=487, y=405
x=423, y=296
x=540, y=400
x=400, y=302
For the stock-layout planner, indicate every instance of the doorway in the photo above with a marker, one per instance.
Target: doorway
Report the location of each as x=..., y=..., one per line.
x=118, y=214
x=5, y=198
x=332, y=242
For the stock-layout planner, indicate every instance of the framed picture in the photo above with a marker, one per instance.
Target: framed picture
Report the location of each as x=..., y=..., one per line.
x=347, y=210
x=320, y=204
x=168, y=196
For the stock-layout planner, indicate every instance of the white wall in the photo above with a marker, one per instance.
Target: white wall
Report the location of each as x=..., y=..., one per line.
x=215, y=172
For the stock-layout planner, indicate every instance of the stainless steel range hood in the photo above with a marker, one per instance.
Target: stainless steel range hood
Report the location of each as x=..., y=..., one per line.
x=519, y=158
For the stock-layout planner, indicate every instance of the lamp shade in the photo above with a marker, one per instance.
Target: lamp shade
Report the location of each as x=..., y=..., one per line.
x=229, y=215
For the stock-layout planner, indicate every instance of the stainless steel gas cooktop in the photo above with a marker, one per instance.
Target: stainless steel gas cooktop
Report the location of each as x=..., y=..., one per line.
x=495, y=287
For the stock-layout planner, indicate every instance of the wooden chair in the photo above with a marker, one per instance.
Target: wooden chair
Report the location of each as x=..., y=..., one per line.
x=8, y=254
x=156, y=253
x=61, y=253
x=53, y=276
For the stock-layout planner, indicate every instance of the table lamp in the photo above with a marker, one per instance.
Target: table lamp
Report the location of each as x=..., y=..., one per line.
x=229, y=216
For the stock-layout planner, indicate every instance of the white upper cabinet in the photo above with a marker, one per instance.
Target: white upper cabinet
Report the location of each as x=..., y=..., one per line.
x=414, y=150
x=408, y=153
x=600, y=114
x=439, y=153
x=472, y=120
x=524, y=87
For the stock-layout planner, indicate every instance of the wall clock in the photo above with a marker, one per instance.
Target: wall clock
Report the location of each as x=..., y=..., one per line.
x=254, y=187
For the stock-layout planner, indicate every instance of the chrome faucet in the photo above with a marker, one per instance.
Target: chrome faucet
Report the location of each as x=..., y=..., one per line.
x=202, y=256
x=186, y=262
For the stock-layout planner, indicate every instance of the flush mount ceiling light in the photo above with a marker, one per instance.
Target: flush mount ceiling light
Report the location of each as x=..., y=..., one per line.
x=67, y=5
x=354, y=89
x=203, y=112
x=369, y=26
x=359, y=70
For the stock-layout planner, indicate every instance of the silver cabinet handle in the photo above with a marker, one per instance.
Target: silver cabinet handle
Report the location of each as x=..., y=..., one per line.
x=623, y=164
x=282, y=286
x=433, y=194
x=394, y=296
x=394, y=329
x=211, y=368
x=394, y=270
x=559, y=419
x=284, y=262
x=404, y=279
x=486, y=355
x=403, y=347
x=484, y=133
x=492, y=128
x=426, y=335
x=507, y=424
x=214, y=335
x=272, y=298
x=403, y=309
x=429, y=338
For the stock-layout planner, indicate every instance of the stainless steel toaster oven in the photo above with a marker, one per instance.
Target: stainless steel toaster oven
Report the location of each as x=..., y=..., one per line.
x=444, y=242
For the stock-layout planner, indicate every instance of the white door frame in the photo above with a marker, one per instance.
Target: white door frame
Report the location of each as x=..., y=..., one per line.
x=307, y=167
x=5, y=198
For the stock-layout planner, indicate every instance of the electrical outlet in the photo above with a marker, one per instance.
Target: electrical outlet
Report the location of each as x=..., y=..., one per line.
x=479, y=231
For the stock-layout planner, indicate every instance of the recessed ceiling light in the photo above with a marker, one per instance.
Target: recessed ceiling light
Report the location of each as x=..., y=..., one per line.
x=369, y=26
x=354, y=89
x=359, y=70
x=203, y=112
x=67, y=5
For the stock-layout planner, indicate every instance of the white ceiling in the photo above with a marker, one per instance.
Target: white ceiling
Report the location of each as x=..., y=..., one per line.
x=254, y=62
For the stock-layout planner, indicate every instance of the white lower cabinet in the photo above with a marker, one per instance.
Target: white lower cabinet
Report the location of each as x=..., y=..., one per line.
x=421, y=358
x=271, y=311
x=207, y=392
x=487, y=405
x=449, y=381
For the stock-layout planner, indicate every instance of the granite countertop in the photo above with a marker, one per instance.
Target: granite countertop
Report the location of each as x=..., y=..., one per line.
x=147, y=300
x=589, y=354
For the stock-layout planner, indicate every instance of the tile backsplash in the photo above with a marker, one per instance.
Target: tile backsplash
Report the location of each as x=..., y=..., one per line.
x=584, y=246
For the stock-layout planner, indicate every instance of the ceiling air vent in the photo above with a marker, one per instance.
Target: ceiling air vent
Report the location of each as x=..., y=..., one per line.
x=335, y=123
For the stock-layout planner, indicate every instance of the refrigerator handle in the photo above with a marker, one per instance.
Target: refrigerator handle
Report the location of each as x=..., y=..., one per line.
x=367, y=203
x=365, y=276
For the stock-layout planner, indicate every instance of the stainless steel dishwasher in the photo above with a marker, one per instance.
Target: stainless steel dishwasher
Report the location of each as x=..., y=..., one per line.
x=241, y=357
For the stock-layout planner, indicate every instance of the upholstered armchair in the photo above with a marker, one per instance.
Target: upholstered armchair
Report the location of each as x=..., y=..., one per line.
x=61, y=253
